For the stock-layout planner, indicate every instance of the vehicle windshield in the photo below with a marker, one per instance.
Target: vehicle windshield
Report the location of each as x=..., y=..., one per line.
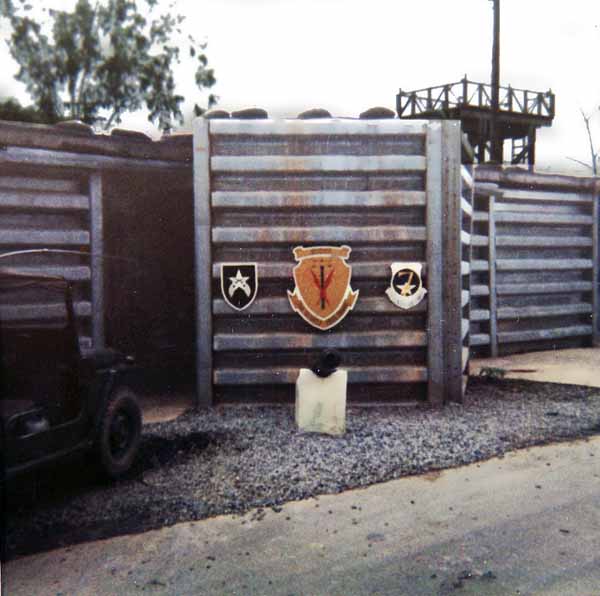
x=36, y=345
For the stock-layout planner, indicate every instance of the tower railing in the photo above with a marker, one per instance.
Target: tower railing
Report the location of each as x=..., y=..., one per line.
x=465, y=93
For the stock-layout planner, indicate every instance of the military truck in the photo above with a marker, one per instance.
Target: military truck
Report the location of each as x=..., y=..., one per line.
x=55, y=398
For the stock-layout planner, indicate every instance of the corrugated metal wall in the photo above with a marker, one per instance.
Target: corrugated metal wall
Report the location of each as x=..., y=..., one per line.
x=47, y=211
x=467, y=197
x=127, y=202
x=535, y=274
x=264, y=187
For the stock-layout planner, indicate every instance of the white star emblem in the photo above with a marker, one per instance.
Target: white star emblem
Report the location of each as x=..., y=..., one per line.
x=239, y=282
x=405, y=289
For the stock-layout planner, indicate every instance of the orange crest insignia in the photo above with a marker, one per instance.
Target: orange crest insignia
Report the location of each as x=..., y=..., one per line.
x=322, y=296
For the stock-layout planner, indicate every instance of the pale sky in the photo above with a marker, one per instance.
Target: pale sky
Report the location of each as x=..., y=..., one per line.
x=349, y=55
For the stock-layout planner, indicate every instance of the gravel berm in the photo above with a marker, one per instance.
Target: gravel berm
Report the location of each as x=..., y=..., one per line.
x=232, y=459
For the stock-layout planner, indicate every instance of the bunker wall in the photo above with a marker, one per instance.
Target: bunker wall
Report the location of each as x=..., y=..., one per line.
x=389, y=189
x=113, y=215
x=535, y=267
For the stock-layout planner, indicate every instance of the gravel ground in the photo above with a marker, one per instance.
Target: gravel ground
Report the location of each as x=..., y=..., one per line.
x=230, y=460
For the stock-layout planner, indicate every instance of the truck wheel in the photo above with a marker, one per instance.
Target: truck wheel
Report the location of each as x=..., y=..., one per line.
x=120, y=432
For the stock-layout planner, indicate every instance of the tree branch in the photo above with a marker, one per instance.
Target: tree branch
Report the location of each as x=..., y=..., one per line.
x=82, y=83
x=586, y=119
x=587, y=165
x=108, y=123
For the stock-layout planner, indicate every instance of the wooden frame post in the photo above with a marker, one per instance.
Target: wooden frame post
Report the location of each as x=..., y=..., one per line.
x=435, y=314
x=97, y=259
x=452, y=259
x=595, y=265
x=496, y=141
x=203, y=264
x=493, y=300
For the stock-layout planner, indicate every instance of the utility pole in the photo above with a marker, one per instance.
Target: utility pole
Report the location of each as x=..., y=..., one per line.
x=496, y=141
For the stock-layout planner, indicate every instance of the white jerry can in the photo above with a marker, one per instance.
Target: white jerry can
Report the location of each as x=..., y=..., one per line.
x=321, y=402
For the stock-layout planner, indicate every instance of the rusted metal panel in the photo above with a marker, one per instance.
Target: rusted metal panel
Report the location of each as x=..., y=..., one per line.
x=69, y=272
x=48, y=185
x=373, y=305
x=435, y=264
x=312, y=163
x=480, y=315
x=467, y=201
x=365, y=234
x=543, y=218
x=541, y=272
x=379, y=270
x=204, y=259
x=125, y=243
x=312, y=200
x=273, y=185
x=483, y=249
x=327, y=128
x=527, y=182
x=466, y=207
x=534, y=198
x=595, y=253
x=544, y=288
x=97, y=258
x=41, y=312
x=47, y=238
x=45, y=223
x=291, y=341
x=315, y=144
x=329, y=181
x=491, y=270
x=544, y=241
x=542, y=264
x=466, y=298
x=527, y=312
x=50, y=158
x=264, y=187
x=545, y=334
x=549, y=208
x=480, y=339
x=466, y=177
x=27, y=200
x=479, y=290
x=277, y=376
x=60, y=139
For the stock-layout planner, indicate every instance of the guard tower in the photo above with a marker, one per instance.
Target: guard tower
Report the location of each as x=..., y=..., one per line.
x=520, y=113
x=489, y=114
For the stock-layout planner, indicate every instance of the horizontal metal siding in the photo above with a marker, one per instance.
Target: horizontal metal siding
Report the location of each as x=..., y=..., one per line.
x=543, y=265
x=279, y=185
x=38, y=212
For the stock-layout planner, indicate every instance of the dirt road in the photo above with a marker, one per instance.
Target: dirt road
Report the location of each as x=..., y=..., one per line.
x=528, y=523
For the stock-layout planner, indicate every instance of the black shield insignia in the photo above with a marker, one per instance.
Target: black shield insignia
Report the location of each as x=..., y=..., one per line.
x=239, y=283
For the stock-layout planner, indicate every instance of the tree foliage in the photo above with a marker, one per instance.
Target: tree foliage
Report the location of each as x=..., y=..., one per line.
x=102, y=60
x=11, y=109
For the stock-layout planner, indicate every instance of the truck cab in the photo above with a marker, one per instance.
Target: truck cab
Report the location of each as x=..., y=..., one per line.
x=55, y=399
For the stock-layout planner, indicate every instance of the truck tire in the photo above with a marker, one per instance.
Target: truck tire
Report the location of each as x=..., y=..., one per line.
x=119, y=433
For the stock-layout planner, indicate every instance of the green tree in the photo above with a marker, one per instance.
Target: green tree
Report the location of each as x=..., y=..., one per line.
x=103, y=60
x=11, y=109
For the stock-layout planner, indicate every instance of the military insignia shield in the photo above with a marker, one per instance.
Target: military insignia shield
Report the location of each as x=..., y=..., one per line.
x=322, y=296
x=406, y=285
x=239, y=284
